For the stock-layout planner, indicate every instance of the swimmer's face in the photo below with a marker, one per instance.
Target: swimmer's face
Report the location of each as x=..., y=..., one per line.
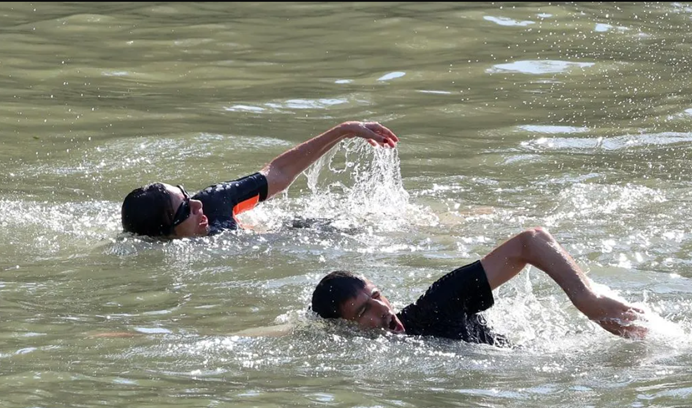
x=371, y=310
x=196, y=223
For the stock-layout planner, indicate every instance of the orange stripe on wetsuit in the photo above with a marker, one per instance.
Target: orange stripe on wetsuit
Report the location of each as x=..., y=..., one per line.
x=223, y=202
x=246, y=205
x=243, y=206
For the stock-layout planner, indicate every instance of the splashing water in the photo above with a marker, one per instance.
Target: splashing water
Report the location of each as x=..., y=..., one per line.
x=535, y=318
x=373, y=192
x=362, y=188
x=660, y=330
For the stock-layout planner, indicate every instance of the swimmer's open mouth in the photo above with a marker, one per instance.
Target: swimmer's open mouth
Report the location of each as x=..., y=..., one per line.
x=392, y=324
x=395, y=325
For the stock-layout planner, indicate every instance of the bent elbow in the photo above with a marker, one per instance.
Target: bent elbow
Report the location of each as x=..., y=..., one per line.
x=533, y=239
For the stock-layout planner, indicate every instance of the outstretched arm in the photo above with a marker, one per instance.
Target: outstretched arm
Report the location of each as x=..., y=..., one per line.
x=538, y=248
x=284, y=169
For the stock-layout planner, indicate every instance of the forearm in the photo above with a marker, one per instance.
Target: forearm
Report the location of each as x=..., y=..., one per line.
x=613, y=315
x=546, y=254
x=538, y=248
x=284, y=169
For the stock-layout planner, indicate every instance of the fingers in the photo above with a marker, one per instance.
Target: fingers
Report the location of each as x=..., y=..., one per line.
x=374, y=133
x=634, y=332
x=638, y=310
x=380, y=135
x=629, y=326
x=381, y=130
x=620, y=318
x=637, y=333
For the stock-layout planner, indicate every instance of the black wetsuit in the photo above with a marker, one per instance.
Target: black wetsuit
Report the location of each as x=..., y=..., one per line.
x=222, y=202
x=450, y=307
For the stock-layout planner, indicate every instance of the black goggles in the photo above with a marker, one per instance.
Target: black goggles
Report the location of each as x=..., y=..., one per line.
x=182, y=213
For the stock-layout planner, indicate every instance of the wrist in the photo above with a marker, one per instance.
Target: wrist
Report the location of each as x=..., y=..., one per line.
x=588, y=302
x=346, y=129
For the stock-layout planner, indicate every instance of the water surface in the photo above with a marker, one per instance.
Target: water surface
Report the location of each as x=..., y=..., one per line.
x=575, y=117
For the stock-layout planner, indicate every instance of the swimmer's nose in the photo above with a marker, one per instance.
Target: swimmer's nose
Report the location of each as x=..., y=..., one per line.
x=196, y=206
x=383, y=308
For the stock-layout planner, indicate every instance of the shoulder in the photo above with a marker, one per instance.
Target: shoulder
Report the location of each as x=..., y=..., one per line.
x=252, y=183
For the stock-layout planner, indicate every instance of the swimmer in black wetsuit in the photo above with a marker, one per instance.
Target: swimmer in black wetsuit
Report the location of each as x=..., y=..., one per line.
x=450, y=307
x=163, y=210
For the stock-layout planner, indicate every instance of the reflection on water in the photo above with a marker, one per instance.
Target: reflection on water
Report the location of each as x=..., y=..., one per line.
x=539, y=67
x=553, y=129
x=391, y=75
x=570, y=116
x=504, y=21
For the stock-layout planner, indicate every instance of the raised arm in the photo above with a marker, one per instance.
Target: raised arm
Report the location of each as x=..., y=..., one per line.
x=284, y=169
x=538, y=248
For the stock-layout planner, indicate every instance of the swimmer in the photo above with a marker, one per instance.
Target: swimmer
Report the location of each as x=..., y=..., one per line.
x=169, y=211
x=450, y=307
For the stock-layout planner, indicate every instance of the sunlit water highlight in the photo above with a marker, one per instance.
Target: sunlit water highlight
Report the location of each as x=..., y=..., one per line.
x=570, y=116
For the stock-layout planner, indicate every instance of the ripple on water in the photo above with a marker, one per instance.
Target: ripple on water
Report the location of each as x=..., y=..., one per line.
x=116, y=73
x=288, y=105
x=536, y=67
x=552, y=129
x=391, y=75
x=607, y=143
x=505, y=21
